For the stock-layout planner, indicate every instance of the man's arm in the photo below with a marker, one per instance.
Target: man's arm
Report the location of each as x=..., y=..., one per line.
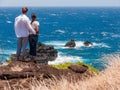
x=30, y=27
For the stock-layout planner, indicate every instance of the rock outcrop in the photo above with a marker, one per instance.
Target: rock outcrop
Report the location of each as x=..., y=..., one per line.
x=70, y=44
x=78, y=68
x=19, y=73
x=87, y=43
x=44, y=54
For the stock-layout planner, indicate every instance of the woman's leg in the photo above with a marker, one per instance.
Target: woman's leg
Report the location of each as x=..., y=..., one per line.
x=33, y=44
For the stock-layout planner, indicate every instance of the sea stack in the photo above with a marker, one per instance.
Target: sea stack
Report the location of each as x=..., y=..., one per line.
x=87, y=43
x=70, y=44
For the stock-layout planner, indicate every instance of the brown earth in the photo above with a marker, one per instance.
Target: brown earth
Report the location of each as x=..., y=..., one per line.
x=20, y=74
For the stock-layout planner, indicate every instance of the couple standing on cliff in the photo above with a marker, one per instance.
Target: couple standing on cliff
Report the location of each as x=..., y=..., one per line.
x=26, y=30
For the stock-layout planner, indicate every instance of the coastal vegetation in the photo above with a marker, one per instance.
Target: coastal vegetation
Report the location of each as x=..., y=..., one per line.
x=66, y=76
x=109, y=79
x=93, y=70
x=18, y=74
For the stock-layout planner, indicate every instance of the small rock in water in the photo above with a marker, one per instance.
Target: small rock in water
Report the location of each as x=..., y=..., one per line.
x=71, y=43
x=87, y=43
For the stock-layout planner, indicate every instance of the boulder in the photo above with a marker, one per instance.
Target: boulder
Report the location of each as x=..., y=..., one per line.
x=44, y=54
x=71, y=43
x=78, y=68
x=87, y=43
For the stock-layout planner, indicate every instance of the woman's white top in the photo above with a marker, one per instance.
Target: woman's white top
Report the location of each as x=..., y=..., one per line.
x=34, y=24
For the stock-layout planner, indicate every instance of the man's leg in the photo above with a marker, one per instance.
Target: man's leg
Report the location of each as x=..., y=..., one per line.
x=30, y=44
x=19, y=47
x=24, y=45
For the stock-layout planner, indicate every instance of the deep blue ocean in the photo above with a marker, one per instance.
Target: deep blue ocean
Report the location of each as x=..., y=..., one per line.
x=101, y=26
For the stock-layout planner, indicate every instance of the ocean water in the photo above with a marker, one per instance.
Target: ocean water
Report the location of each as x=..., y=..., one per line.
x=101, y=26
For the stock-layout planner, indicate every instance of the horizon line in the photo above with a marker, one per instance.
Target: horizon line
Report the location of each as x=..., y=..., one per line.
x=63, y=6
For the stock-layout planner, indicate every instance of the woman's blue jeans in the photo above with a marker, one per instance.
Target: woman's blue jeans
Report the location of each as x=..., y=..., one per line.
x=33, y=44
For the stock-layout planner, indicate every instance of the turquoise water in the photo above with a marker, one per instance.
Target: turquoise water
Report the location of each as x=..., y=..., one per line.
x=101, y=26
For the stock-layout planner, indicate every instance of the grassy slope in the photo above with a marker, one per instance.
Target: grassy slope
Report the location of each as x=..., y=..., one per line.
x=67, y=64
x=106, y=80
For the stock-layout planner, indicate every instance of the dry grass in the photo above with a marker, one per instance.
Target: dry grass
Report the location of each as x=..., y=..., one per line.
x=106, y=80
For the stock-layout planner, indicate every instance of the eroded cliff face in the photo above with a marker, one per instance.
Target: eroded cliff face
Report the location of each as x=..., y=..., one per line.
x=19, y=73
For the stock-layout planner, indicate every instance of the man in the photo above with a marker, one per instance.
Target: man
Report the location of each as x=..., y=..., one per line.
x=22, y=29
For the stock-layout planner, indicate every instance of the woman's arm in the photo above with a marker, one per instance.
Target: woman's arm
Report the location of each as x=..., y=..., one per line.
x=37, y=29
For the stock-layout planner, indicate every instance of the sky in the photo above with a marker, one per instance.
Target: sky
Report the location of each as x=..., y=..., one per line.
x=59, y=3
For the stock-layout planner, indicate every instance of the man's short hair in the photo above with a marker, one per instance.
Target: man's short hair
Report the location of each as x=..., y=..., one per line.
x=24, y=10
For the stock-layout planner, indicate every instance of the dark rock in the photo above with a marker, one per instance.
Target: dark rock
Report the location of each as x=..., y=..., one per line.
x=15, y=75
x=87, y=43
x=71, y=43
x=44, y=54
x=78, y=68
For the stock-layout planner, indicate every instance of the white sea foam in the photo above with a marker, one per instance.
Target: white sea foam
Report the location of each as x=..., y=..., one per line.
x=104, y=33
x=60, y=31
x=101, y=45
x=79, y=44
x=81, y=32
x=64, y=58
x=9, y=41
x=7, y=52
x=116, y=35
x=53, y=14
x=55, y=43
x=9, y=21
x=94, y=44
x=4, y=54
x=74, y=33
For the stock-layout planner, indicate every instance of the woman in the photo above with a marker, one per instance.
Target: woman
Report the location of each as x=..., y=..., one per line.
x=33, y=38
